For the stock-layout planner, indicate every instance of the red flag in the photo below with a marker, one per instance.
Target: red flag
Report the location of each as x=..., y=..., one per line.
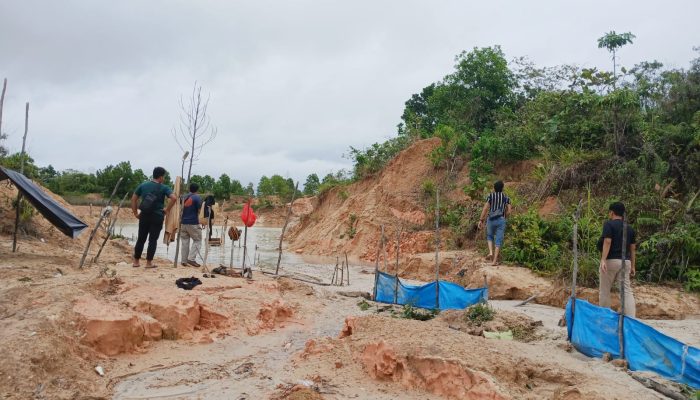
x=248, y=215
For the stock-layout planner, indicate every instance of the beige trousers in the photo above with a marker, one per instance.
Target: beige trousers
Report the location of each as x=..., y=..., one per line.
x=612, y=276
x=193, y=232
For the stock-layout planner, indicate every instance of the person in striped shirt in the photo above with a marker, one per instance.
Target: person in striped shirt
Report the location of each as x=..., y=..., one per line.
x=495, y=212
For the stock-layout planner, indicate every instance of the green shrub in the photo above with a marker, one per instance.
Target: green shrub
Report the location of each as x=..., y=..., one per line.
x=480, y=313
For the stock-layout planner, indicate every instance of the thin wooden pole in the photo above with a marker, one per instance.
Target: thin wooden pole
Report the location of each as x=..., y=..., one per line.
x=335, y=271
x=396, y=273
x=376, y=268
x=437, y=248
x=284, y=228
x=575, y=274
x=246, y=272
x=103, y=215
x=18, y=207
x=623, y=272
x=110, y=229
x=342, y=272
x=347, y=265
x=386, y=267
x=206, y=248
x=2, y=101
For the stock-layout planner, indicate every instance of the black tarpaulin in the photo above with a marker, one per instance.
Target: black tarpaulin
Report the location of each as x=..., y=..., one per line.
x=48, y=207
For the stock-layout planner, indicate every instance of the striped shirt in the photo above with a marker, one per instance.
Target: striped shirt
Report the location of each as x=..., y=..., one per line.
x=497, y=202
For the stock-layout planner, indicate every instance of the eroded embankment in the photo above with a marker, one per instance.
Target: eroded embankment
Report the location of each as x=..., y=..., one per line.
x=442, y=361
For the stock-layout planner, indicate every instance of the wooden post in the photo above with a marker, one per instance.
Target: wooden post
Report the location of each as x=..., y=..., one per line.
x=437, y=249
x=2, y=101
x=575, y=275
x=335, y=271
x=284, y=228
x=246, y=272
x=396, y=273
x=347, y=265
x=386, y=268
x=206, y=248
x=18, y=207
x=623, y=271
x=99, y=222
x=342, y=272
x=110, y=229
x=376, y=268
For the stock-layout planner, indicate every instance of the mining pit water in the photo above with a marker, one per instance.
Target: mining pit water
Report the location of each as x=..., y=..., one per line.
x=262, y=252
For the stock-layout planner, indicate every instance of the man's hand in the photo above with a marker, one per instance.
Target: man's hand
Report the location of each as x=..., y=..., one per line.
x=481, y=225
x=137, y=215
x=633, y=271
x=603, y=267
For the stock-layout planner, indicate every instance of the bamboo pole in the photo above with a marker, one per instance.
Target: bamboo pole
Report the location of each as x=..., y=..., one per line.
x=575, y=275
x=99, y=222
x=284, y=228
x=206, y=248
x=384, y=252
x=2, y=101
x=376, y=268
x=246, y=272
x=396, y=273
x=18, y=206
x=110, y=229
x=623, y=272
x=342, y=272
x=347, y=265
x=437, y=248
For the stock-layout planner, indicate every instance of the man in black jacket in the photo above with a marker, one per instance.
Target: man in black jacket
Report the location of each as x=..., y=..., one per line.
x=611, y=258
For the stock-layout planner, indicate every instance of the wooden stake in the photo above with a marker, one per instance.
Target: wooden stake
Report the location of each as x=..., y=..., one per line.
x=110, y=229
x=99, y=222
x=206, y=248
x=284, y=228
x=342, y=272
x=623, y=271
x=437, y=248
x=18, y=208
x=376, y=270
x=396, y=273
x=347, y=265
x=2, y=101
x=575, y=276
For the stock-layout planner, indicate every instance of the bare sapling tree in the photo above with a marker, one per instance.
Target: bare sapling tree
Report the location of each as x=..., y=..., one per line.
x=2, y=102
x=195, y=129
x=192, y=133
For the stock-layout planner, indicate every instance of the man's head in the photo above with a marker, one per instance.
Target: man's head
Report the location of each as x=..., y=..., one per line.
x=194, y=187
x=616, y=209
x=159, y=174
x=498, y=186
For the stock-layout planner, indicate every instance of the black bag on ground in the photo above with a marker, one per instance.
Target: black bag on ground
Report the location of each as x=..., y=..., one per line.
x=187, y=283
x=149, y=201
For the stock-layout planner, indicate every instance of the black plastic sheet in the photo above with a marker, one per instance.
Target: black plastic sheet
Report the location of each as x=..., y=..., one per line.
x=54, y=212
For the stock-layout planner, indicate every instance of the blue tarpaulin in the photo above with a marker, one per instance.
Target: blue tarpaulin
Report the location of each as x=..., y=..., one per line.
x=594, y=330
x=452, y=296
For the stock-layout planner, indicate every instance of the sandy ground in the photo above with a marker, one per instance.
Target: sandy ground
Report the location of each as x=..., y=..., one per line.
x=281, y=338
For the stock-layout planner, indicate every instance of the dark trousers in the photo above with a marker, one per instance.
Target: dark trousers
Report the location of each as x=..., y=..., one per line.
x=150, y=226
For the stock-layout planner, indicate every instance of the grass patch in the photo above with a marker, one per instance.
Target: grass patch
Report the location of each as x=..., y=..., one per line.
x=364, y=305
x=410, y=312
x=480, y=313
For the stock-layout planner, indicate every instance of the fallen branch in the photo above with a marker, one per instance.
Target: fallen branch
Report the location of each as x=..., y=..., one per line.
x=529, y=299
x=663, y=389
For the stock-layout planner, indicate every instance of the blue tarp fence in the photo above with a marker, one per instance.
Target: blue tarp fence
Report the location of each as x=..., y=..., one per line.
x=452, y=296
x=593, y=330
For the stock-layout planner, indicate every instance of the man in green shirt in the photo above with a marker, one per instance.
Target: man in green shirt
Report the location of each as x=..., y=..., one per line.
x=150, y=214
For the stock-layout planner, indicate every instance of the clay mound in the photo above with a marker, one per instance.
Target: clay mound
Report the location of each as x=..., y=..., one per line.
x=455, y=365
x=349, y=218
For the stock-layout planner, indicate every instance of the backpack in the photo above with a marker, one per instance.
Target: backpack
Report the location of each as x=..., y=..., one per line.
x=150, y=200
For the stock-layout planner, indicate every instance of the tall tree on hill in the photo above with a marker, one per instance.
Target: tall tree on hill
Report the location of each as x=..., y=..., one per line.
x=612, y=41
x=195, y=129
x=311, y=185
x=3, y=150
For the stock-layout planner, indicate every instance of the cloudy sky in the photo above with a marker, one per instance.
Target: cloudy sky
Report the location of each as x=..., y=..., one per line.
x=292, y=83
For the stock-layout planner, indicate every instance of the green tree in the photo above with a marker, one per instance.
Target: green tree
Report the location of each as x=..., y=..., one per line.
x=222, y=187
x=107, y=178
x=311, y=185
x=612, y=41
x=250, y=189
x=265, y=187
x=13, y=162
